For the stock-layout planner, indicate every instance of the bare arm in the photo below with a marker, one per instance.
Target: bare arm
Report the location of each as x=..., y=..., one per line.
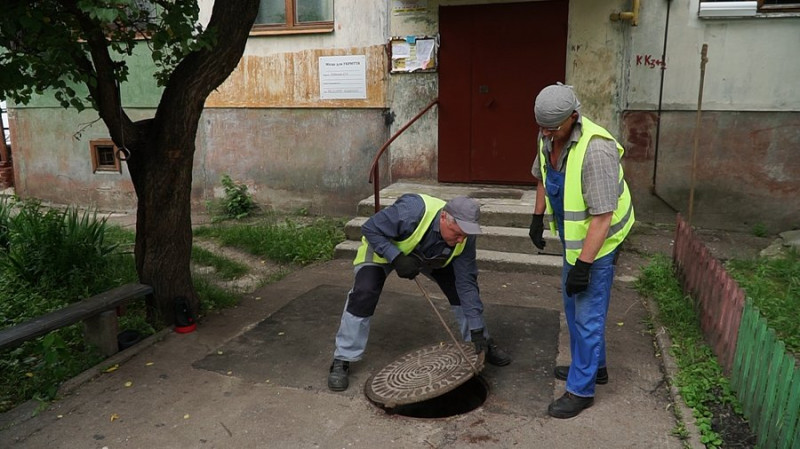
x=595, y=237
x=539, y=207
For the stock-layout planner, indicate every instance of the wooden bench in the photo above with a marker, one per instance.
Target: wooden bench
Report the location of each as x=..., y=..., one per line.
x=98, y=313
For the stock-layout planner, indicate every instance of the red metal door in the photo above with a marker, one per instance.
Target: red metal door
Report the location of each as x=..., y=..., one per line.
x=494, y=59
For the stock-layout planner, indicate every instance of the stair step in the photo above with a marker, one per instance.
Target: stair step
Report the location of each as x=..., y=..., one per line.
x=487, y=260
x=495, y=238
x=492, y=214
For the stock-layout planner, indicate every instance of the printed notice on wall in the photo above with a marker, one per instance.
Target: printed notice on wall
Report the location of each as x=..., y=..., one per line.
x=412, y=54
x=343, y=77
x=404, y=7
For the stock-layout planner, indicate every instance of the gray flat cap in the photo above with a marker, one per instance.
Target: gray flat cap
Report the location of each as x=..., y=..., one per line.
x=554, y=104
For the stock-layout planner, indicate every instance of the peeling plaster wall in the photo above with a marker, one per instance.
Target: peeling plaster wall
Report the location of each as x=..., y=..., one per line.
x=595, y=50
x=594, y=67
x=290, y=158
x=265, y=126
x=54, y=163
x=748, y=170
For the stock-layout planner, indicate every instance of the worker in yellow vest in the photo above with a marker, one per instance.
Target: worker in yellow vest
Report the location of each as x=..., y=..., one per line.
x=417, y=234
x=583, y=192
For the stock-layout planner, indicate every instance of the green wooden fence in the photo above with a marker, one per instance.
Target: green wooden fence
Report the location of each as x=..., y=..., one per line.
x=765, y=377
x=767, y=381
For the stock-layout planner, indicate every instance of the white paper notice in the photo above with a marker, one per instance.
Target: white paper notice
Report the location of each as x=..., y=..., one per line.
x=343, y=77
x=425, y=52
x=400, y=50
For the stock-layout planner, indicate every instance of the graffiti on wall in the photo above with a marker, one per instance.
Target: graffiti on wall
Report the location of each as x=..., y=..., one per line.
x=650, y=62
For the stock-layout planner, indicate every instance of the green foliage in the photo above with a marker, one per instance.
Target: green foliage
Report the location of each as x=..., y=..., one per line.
x=774, y=287
x=213, y=297
x=56, y=251
x=238, y=202
x=50, y=258
x=36, y=368
x=760, y=230
x=699, y=379
x=225, y=268
x=287, y=241
x=45, y=44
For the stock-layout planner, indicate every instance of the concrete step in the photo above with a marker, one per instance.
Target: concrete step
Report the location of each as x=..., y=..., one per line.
x=505, y=218
x=494, y=238
x=500, y=205
x=492, y=213
x=487, y=260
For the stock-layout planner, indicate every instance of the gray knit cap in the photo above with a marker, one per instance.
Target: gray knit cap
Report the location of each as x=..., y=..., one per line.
x=554, y=104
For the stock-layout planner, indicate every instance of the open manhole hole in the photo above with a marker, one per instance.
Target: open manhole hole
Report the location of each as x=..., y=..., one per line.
x=431, y=382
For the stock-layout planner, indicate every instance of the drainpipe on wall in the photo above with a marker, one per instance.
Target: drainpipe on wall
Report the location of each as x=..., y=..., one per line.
x=658, y=117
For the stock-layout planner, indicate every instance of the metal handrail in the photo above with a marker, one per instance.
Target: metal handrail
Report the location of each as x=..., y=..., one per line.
x=374, y=175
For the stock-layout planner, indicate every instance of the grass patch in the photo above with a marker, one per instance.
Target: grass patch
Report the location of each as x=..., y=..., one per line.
x=774, y=287
x=700, y=380
x=50, y=258
x=285, y=241
x=225, y=268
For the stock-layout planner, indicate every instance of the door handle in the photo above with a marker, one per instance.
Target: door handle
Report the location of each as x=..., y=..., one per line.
x=489, y=103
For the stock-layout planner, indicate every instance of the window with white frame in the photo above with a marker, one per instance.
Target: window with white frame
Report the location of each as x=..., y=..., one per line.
x=294, y=16
x=747, y=7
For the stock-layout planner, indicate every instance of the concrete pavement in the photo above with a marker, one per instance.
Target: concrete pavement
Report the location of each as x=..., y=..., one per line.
x=175, y=391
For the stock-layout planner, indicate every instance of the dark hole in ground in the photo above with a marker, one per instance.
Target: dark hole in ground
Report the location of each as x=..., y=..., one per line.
x=465, y=398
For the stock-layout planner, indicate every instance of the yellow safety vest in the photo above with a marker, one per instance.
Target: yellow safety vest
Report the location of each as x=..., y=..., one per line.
x=432, y=207
x=576, y=213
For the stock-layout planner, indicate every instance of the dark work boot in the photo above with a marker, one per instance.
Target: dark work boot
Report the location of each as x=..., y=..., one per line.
x=337, y=379
x=496, y=356
x=561, y=372
x=569, y=405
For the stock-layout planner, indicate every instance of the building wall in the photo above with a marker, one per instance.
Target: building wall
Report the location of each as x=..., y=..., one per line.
x=267, y=127
x=747, y=168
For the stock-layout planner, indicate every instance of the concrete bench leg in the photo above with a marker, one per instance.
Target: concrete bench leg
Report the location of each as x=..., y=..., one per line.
x=101, y=330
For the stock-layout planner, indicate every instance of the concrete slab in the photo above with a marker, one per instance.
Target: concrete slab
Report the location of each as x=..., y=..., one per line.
x=159, y=399
x=294, y=347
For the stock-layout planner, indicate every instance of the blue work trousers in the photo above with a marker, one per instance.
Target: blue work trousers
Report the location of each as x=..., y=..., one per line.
x=586, y=314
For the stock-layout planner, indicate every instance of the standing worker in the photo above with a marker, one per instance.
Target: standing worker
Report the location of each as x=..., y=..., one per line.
x=417, y=234
x=583, y=192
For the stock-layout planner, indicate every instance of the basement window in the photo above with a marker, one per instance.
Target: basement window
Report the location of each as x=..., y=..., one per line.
x=104, y=156
x=294, y=17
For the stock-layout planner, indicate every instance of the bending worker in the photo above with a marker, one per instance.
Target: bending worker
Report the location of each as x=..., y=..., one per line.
x=583, y=192
x=417, y=234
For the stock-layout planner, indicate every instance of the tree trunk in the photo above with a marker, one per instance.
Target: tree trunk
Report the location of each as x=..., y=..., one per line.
x=163, y=183
x=161, y=162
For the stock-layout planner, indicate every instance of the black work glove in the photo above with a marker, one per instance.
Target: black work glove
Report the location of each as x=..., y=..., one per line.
x=479, y=340
x=407, y=266
x=537, y=228
x=578, y=277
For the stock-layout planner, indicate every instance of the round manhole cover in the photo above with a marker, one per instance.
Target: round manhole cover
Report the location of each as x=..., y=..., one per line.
x=423, y=374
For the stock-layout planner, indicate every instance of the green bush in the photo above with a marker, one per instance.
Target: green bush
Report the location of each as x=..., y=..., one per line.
x=48, y=259
x=56, y=251
x=238, y=202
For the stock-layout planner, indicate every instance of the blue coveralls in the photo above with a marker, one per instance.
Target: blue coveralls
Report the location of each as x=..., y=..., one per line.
x=585, y=311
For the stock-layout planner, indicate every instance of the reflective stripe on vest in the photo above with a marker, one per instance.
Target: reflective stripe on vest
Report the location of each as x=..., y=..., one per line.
x=432, y=207
x=576, y=213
